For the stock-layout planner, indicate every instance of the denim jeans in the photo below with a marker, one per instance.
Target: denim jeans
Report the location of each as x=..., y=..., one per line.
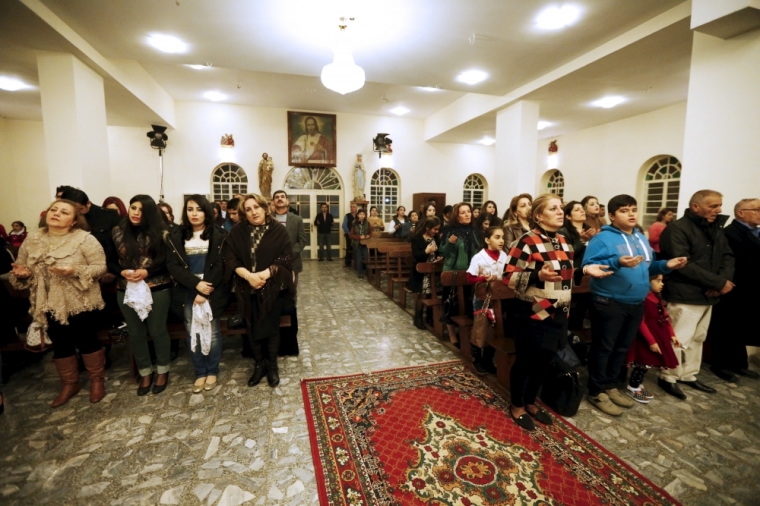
x=613, y=328
x=323, y=240
x=360, y=255
x=204, y=365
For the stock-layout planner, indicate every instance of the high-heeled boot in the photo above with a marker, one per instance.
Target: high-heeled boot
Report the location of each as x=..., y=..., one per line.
x=68, y=370
x=96, y=370
x=273, y=371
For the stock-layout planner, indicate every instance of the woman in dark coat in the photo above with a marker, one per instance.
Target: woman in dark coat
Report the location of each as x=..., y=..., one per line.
x=194, y=260
x=424, y=249
x=258, y=260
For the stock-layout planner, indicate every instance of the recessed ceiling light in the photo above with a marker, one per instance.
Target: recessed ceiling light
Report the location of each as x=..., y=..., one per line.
x=472, y=76
x=428, y=88
x=487, y=141
x=12, y=84
x=215, y=96
x=544, y=124
x=399, y=111
x=554, y=18
x=608, y=102
x=199, y=67
x=167, y=43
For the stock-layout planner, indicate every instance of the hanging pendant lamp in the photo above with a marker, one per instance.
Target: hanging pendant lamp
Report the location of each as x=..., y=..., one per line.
x=342, y=75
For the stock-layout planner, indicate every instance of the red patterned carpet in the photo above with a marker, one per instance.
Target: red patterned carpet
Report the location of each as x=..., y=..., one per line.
x=437, y=435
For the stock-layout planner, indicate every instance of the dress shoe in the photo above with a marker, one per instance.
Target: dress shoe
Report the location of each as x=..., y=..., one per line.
x=698, y=385
x=157, y=389
x=273, y=374
x=671, y=388
x=523, y=421
x=258, y=374
x=747, y=373
x=542, y=416
x=725, y=374
x=143, y=390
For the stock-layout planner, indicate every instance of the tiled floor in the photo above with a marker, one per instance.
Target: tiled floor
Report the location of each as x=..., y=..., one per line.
x=238, y=444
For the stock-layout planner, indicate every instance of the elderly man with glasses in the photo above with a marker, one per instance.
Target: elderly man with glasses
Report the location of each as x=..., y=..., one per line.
x=730, y=330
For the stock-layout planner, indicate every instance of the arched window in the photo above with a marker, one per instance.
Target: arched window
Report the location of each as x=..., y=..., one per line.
x=662, y=182
x=555, y=183
x=228, y=179
x=474, y=192
x=384, y=190
x=312, y=178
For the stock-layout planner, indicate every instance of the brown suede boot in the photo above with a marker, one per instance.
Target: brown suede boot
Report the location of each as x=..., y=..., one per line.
x=96, y=370
x=68, y=370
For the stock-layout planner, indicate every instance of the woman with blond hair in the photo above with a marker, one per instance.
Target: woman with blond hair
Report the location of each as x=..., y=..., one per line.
x=60, y=265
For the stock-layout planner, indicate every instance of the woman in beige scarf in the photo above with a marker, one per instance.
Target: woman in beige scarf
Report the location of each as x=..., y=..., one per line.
x=60, y=265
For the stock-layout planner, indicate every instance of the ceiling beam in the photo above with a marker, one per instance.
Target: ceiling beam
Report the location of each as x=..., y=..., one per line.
x=473, y=105
x=130, y=75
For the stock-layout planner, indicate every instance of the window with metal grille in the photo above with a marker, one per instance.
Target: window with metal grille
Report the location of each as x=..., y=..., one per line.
x=228, y=179
x=474, y=192
x=662, y=183
x=555, y=183
x=384, y=189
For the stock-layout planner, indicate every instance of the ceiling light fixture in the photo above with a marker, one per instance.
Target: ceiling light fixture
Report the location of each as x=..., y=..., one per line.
x=12, y=84
x=199, y=67
x=608, y=102
x=342, y=75
x=554, y=18
x=544, y=124
x=215, y=96
x=487, y=141
x=167, y=43
x=429, y=88
x=472, y=76
x=400, y=110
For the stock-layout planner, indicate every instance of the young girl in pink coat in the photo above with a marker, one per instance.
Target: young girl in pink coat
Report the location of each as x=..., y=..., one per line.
x=654, y=343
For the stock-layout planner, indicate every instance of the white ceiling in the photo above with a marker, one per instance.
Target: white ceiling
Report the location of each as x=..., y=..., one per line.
x=270, y=53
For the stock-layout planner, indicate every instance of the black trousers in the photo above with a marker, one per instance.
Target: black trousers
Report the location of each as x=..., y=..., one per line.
x=349, y=251
x=613, y=328
x=79, y=334
x=728, y=351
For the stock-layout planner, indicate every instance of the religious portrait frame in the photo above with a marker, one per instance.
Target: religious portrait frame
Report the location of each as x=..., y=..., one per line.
x=303, y=152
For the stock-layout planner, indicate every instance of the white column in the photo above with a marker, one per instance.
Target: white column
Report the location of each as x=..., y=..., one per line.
x=74, y=120
x=721, y=147
x=516, y=150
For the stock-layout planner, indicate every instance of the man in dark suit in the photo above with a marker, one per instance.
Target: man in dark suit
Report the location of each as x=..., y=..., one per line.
x=294, y=225
x=323, y=222
x=730, y=331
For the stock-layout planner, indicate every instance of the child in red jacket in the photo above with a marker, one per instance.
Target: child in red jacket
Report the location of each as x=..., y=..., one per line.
x=654, y=344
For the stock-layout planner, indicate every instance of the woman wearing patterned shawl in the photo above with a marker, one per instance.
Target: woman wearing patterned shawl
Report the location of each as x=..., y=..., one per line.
x=258, y=258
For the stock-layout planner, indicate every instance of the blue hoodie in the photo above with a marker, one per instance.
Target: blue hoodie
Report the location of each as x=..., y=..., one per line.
x=629, y=285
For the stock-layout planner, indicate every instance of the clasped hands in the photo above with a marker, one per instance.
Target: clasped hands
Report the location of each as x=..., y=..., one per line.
x=258, y=279
x=23, y=272
x=134, y=275
x=723, y=291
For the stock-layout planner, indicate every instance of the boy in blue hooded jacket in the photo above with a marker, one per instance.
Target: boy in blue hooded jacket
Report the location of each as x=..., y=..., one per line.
x=617, y=301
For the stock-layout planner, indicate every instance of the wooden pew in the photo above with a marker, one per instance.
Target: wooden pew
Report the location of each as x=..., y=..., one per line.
x=384, y=266
x=374, y=259
x=433, y=303
x=463, y=321
x=397, y=270
x=505, y=347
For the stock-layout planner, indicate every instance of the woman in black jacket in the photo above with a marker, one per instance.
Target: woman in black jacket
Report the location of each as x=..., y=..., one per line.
x=424, y=249
x=195, y=262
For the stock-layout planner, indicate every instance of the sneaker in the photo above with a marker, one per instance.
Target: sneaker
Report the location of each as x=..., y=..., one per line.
x=619, y=399
x=646, y=393
x=603, y=403
x=637, y=395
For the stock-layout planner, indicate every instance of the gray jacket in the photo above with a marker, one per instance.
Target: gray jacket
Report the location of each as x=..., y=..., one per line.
x=297, y=234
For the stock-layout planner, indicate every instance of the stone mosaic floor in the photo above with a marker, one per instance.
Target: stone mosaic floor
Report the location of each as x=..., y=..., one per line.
x=237, y=444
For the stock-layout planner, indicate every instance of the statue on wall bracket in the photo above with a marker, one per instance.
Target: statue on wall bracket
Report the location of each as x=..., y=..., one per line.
x=266, y=167
x=360, y=179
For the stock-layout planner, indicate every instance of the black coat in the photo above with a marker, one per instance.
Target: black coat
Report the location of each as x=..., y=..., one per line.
x=101, y=222
x=711, y=262
x=185, y=281
x=731, y=315
x=419, y=244
x=324, y=226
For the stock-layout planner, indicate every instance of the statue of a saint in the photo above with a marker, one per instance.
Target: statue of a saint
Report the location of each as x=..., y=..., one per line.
x=360, y=178
x=266, y=167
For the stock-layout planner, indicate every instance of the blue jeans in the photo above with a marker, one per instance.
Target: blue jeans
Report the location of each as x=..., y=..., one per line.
x=204, y=365
x=323, y=240
x=360, y=255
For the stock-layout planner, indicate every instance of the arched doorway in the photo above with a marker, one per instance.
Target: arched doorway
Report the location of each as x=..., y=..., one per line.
x=308, y=188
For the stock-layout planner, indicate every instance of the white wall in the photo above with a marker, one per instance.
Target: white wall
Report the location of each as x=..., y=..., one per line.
x=24, y=187
x=194, y=150
x=606, y=160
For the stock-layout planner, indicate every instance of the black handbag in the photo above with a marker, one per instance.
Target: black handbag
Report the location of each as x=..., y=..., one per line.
x=235, y=322
x=562, y=392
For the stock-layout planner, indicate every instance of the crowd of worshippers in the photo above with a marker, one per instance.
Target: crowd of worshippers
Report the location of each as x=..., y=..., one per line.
x=246, y=250
x=652, y=299
x=650, y=303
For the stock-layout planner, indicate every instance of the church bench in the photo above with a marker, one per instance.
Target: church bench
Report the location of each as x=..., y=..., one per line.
x=463, y=321
x=397, y=270
x=374, y=258
x=434, y=302
x=383, y=266
x=504, y=346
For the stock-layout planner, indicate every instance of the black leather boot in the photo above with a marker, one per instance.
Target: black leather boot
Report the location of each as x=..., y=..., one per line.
x=418, y=321
x=258, y=374
x=273, y=372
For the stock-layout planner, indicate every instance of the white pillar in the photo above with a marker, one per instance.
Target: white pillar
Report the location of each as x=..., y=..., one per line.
x=516, y=151
x=74, y=120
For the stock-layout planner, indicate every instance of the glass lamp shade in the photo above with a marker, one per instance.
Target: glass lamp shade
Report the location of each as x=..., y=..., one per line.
x=342, y=75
